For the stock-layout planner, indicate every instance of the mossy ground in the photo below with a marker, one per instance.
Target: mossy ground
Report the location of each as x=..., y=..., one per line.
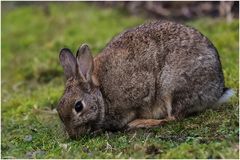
x=32, y=82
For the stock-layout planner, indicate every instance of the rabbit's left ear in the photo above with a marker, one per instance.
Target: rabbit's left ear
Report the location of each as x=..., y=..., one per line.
x=85, y=63
x=68, y=62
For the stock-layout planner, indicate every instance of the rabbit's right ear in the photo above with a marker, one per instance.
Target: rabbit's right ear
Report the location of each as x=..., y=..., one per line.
x=85, y=63
x=68, y=62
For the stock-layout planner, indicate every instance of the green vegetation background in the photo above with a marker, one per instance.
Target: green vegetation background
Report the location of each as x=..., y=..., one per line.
x=32, y=82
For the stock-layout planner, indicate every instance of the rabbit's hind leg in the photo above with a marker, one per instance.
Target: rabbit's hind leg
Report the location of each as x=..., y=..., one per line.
x=149, y=123
x=145, y=123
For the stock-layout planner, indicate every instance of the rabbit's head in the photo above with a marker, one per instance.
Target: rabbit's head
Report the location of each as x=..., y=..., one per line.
x=81, y=108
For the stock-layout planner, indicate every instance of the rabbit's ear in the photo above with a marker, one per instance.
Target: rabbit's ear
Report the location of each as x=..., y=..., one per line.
x=68, y=61
x=85, y=62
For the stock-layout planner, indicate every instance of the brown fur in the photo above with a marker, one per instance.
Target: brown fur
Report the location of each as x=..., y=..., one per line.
x=154, y=71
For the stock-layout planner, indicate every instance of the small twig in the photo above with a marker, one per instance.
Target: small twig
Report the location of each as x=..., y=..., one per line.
x=109, y=146
x=146, y=139
x=134, y=135
x=119, y=155
x=51, y=112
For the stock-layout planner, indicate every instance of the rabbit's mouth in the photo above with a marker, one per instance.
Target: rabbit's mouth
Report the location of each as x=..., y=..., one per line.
x=79, y=131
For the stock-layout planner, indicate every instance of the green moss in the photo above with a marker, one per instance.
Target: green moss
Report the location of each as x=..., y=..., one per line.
x=32, y=84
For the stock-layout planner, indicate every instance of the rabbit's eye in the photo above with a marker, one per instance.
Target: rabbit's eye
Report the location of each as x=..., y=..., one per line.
x=78, y=106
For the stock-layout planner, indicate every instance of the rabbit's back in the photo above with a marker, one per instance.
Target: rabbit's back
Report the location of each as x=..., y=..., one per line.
x=144, y=64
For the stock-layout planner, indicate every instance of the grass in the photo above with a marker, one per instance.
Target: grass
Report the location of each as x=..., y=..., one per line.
x=32, y=82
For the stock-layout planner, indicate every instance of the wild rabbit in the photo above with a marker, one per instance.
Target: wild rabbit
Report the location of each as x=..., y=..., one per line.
x=144, y=77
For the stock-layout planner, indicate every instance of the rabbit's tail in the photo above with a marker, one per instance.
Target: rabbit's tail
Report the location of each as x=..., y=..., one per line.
x=227, y=94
